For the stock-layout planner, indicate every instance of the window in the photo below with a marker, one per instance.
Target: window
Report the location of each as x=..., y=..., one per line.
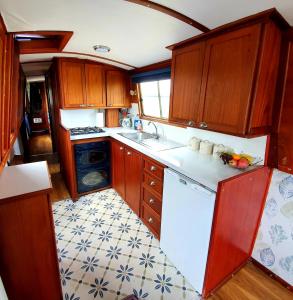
x=155, y=98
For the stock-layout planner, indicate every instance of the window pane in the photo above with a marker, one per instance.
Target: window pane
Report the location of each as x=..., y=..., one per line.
x=151, y=104
x=165, y=87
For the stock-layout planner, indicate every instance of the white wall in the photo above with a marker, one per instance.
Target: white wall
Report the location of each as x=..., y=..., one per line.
x=82, y=117
x=254, y=146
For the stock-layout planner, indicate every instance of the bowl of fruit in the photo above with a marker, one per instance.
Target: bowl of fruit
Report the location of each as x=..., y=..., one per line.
x=239, y=161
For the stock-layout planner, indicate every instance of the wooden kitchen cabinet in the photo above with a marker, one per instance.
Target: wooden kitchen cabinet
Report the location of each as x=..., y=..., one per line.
x=228, y=78
x=28, y=257
x=187, y=67
x=225, y=80
x=95, y=85
x=117, y=86
x=133, y=178
x=285, y=134
x=118, y=168
x=72, y=84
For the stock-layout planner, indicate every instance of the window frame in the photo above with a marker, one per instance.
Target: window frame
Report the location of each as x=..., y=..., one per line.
x=140, y=105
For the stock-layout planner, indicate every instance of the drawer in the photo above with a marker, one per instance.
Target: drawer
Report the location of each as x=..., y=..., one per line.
x=153, y=183
x=154, y=168
x=153, y=201
x=151, y=220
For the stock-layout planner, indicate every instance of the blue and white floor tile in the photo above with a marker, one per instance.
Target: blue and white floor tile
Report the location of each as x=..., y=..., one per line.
x=106, y=252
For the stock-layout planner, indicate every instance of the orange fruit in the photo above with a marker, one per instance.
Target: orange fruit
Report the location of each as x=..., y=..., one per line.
x=236, y=156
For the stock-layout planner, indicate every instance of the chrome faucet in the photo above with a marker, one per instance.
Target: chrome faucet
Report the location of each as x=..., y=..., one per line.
x=156, y=136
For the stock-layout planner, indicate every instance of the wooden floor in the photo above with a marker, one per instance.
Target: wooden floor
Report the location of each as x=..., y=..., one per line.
x=40, y=144
x=249, y=283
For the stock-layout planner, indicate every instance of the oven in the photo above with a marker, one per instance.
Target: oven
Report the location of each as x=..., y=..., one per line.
x=92, y=161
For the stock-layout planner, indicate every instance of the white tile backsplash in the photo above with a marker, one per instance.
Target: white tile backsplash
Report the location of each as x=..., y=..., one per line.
x=254, y=146
x=82, y=117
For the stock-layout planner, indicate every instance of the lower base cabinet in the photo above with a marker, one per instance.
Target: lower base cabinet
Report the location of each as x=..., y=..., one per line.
x=28, y=256
x=126, y=174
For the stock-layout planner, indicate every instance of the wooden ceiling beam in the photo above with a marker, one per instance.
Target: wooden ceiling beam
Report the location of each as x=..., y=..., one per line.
x=173, y=13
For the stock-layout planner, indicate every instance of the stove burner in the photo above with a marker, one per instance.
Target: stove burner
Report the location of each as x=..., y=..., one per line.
x=85, y=130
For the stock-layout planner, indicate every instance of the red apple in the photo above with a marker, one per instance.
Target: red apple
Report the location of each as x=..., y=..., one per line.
x=243, y=163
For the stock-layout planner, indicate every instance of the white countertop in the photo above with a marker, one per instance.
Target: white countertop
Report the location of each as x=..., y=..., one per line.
x=24, y=179
x=205, y=169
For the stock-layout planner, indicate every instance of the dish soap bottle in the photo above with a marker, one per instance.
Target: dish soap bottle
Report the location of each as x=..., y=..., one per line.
x=137, y=124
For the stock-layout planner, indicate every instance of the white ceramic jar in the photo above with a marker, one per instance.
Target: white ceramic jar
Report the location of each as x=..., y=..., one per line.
x=206, y=147
x=218, y=148
x=194, y=143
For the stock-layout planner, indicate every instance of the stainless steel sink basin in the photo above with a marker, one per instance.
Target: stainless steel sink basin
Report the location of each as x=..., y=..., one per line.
x=148, y=140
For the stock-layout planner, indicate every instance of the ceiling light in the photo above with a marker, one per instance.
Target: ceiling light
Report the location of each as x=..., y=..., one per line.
x=101, y=48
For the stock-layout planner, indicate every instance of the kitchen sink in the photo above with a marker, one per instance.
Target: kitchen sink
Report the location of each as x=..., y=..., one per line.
x=148, y=140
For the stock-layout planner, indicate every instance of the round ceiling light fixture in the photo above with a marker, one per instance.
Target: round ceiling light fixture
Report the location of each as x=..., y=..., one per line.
x=101, y=48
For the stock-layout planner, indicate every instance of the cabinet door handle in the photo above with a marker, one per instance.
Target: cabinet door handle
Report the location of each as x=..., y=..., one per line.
x=82, y=105
x=151, y=201
x=152, y=183
x=110, y=104
x=150, y=220
x=128, y=153
x=121, y=148
x=190, y=123
x=91, y=105
x=203, y=125
x=153, y=168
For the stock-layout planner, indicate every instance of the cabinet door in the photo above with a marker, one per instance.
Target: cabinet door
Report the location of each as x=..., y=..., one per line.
x=72, y=84
x=95, y=85
x=133, y=178
x=117, y=89
x=285, y=136
x=187, y=66
x=118, y=174
x=229, y=68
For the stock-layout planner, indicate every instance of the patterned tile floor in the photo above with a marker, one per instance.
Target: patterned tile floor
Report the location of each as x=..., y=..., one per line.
x=105, y=252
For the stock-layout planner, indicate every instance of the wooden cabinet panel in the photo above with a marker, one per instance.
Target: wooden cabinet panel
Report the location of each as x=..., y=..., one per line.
x=153, y=168
x=187, y=67
x=229, y=69
x=152, y=200
x=95, y=85
x=28, y=258
x=133, y=178
x=117, y=88
x=151, y=219
x=118, y=173
x=285, y=136
x=153, y=183
x=72, y=81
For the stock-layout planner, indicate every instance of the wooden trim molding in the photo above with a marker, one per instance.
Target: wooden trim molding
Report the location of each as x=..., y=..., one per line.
x=171, y=12
x=155, y=66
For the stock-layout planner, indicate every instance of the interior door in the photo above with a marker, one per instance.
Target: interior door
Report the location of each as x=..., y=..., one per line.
x=118, y=173
x=133, y=178
x=95, y=85
x=229, y=68
x=117, y=84
x=72, y=81
x=187, y=66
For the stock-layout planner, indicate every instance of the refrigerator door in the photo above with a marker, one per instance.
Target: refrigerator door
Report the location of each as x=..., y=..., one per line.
x=187, y=216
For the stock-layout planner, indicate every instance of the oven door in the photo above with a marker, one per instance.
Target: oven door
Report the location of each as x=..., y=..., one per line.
x=92, y=154
x=92, y=179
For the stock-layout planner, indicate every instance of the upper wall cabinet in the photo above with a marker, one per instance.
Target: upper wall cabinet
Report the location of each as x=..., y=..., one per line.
x=95, y=85
x=225, y=80
x=187, y=67
x=72, y=84
x=117, y=88
x=83, y=84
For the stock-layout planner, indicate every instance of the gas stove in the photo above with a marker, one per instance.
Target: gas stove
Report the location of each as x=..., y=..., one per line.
x=85, y=130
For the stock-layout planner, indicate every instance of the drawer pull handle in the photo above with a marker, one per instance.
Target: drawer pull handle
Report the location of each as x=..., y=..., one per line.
x=151, y=201
x=121, y=148
x=203, y=125
x=152, y=183
x=153, y=168
x=150, y=220
x=128, y=153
